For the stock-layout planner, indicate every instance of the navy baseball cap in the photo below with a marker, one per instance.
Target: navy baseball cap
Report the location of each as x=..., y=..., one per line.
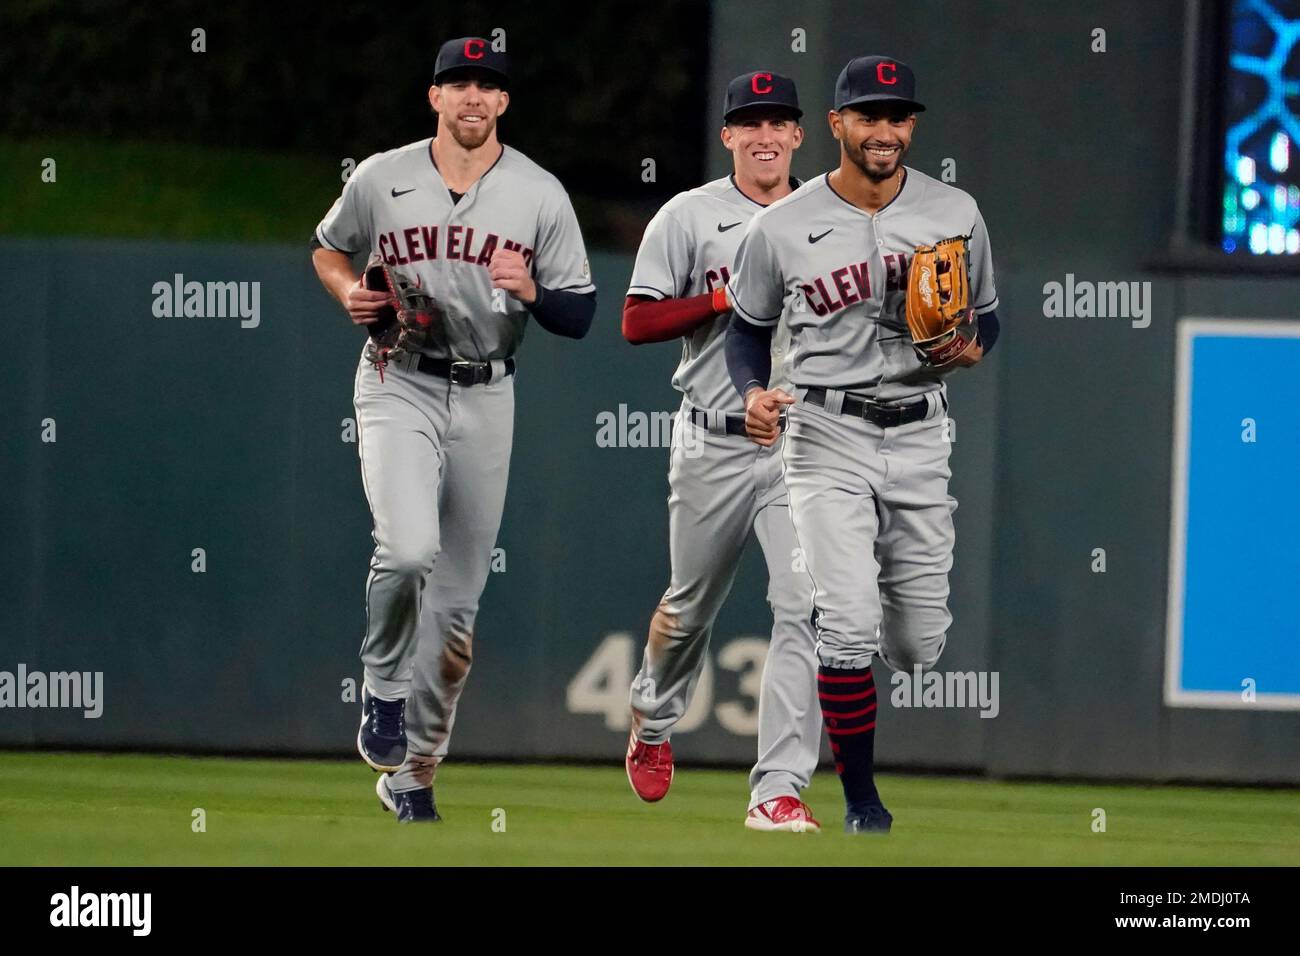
x=760, y=88
x=470, y=53
x=876, y=79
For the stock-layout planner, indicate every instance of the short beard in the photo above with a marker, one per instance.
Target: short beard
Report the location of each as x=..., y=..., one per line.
x=470, y=138
x=860, y=161
x=472, y=141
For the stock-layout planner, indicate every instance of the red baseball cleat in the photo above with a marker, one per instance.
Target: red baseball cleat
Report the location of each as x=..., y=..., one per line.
x=649, y=768
x=783, y=813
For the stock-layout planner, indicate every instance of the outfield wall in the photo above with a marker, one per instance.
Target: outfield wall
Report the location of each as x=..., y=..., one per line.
x=174, y=434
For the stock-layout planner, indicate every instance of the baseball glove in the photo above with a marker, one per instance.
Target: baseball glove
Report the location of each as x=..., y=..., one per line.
x=939, y=315
x=407, y=323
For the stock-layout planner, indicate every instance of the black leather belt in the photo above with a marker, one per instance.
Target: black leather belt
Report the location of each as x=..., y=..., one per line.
x=735, y=423
x=885, y=416
x=461, y=373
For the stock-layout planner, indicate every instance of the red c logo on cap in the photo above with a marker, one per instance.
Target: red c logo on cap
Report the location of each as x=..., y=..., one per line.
x=753, y=83
x=474, y=49
x=880, y=73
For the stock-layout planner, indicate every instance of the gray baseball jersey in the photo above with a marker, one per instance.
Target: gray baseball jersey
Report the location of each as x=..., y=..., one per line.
x=437, y=500
x=722, y=489
x=870, y=504
x=838, y=275
x=687, y=250
x=397, y=204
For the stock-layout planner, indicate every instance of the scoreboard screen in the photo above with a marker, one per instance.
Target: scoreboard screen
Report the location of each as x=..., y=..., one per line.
x=1260, y=110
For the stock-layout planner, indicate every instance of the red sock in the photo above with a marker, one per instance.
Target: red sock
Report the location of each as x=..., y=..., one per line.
x=848, y=702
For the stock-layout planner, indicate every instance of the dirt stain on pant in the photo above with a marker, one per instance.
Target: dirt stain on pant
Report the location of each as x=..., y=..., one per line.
x=457, y=657
x=423, y=769
x=665, y=630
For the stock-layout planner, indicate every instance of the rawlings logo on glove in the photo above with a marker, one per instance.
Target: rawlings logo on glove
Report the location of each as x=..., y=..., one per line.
x=924, y=288
x=406, y=324
x=939, y=315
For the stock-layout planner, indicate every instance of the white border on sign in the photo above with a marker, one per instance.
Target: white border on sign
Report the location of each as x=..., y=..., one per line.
x=1188, y=330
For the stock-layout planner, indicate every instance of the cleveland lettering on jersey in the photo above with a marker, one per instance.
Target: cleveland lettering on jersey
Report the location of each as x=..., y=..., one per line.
x=717, y=278
x=851, y=284
x=420, y=243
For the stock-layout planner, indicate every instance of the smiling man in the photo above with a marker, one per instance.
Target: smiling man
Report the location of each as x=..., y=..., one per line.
x=491, y=237
x=723, y=486
x=866, y=448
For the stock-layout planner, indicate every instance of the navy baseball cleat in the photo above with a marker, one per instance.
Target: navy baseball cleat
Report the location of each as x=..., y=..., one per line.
x=872, y=819
x=381, y=741
x=411, y=806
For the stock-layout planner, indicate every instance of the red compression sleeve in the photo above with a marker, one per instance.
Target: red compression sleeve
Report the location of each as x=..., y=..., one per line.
x=645, y=320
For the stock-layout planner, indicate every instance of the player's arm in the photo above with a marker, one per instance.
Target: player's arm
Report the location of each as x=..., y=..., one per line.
x=563, y=312
x=757, y=296
x=983, y=290
x=748, y=350
x=646, y=319
x=340, y=235
x=989, y=329
x=652, y=312
x=334, y=269
x=560, y=294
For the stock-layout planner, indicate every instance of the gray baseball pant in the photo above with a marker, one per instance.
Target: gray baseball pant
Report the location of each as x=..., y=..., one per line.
x=873, y=513
x=435, y=458
x=722, y=486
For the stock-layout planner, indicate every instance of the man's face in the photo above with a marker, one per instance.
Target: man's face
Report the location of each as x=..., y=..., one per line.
x=874, y=138
x=468, y=105
x=762, y=142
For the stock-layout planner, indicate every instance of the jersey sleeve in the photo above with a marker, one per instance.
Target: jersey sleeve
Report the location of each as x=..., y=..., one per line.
x=984, y=293
x=561, y=257
x=663, y=262
x=757, y=287
x=347, y=226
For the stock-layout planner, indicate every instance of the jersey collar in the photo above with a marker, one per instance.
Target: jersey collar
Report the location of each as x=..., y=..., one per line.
x=901, y=186
x=496, y=162
x=794, y=184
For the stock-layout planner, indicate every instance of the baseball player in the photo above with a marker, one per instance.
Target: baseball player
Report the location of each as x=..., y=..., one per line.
x=866, y=448
x=723, y=485
x=493, y=238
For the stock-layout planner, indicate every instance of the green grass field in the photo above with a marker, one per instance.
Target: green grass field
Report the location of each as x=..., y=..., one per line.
x=83, y=809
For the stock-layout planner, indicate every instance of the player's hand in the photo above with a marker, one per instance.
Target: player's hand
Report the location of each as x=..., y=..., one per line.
x=972, y=354
x=763, y=414
x=363, y=304
x=508, y=271
x=969, y=357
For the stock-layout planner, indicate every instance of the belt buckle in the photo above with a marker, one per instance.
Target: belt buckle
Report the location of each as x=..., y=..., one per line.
x=882, y=416
x=469, y=370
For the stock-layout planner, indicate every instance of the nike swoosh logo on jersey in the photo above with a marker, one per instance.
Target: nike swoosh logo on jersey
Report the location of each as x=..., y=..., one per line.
x=722, y=228
x=403, y=192
x=812, y=238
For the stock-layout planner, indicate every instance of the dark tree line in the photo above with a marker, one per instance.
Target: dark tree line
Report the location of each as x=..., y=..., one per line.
x=597, y=87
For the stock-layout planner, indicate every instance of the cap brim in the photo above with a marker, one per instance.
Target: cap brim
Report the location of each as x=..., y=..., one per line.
x=451, y=72
x=762, y=107
x=912, y=105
